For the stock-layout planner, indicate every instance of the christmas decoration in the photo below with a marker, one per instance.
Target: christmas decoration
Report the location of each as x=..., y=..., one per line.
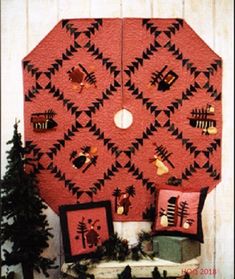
x=23, y=221
x=85, y=157
x=43, y=121
x=114, y=248
x=84, y=227
x=117, y=249
x=156, y=275
x=123, y=199
x=82, y=271
x=158, y=70
x=143, y=248
x=126, y=273
x=203, y=119
x=164, y=83
x=178, y=213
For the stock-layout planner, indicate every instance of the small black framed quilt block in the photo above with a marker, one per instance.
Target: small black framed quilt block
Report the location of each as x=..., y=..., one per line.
x=84, y=227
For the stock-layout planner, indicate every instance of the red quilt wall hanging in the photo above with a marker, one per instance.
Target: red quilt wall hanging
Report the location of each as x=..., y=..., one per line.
x=86, y=70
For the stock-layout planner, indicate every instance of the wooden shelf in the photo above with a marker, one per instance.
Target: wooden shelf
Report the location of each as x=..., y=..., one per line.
x=143, y=268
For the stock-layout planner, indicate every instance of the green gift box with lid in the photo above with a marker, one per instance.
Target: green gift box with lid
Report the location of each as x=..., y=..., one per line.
x=176, y=249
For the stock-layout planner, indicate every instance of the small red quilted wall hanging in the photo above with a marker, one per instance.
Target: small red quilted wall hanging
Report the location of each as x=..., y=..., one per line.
x=84, y=72
x=84, y=227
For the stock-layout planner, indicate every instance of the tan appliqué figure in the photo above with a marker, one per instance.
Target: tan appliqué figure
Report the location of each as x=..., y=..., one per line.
x=160, y=157
x=122, y=200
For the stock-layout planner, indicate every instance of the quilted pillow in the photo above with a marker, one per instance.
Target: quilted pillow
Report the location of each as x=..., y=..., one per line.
x=178, y=213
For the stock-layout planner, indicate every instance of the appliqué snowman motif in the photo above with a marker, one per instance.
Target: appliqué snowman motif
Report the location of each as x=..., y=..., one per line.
x=164, y=219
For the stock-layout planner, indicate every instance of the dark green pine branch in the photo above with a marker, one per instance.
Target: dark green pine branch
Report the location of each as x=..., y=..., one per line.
x=23, y=221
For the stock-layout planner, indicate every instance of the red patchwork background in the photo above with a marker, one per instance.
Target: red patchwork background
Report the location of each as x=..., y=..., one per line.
x=86, y=70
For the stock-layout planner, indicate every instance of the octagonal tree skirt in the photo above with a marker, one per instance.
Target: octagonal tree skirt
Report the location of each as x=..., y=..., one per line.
x=87, y=70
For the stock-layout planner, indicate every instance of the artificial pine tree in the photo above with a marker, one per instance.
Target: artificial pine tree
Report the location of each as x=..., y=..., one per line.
x=126, y=273
x=156, y=274
x=23, y=222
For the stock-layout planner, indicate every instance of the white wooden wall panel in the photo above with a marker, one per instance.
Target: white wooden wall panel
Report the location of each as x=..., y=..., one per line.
x=169, y=8
x=73, y=9
x=14, y=26
x=199, y=15
x=136, y=8
x=26, y=22
x=11, y=73
x=105, y=8
x=42, y=16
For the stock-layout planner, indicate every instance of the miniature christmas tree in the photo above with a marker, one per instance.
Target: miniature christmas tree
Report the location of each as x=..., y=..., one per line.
x=156, y=274
x=23, y=222
x=183, y=211
x=82, y=229
x=126, y=273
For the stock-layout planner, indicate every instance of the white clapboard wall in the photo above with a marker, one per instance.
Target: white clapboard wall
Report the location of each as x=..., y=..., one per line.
x=25, y=22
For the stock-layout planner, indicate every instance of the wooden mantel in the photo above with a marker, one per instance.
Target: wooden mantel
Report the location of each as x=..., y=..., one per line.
x=142, y=268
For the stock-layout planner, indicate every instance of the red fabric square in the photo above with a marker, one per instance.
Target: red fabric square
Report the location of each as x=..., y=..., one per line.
x=84, y=228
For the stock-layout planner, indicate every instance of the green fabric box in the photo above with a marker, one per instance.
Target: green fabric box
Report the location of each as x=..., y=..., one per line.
x=176, y=249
